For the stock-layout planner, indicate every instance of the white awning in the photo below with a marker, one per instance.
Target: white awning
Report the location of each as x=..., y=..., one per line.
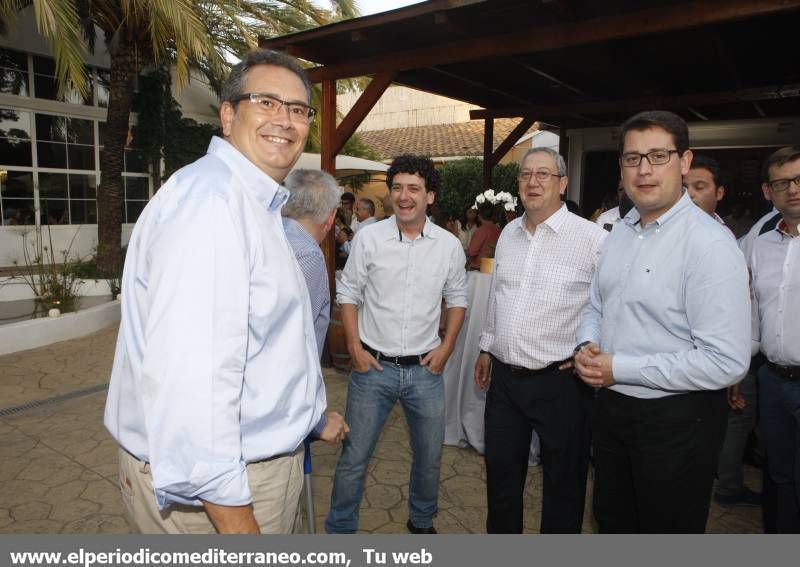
x=344, y=164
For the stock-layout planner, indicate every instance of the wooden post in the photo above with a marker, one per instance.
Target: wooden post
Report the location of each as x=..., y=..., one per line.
x=488, y=151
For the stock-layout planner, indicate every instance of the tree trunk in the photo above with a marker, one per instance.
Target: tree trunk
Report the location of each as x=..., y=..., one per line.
x=111, y=194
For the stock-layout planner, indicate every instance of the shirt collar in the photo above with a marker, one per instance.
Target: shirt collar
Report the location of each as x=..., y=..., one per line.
x=554, y=222
x=393, y=229
x=266, y=189
x=291, y=225
x=783, y=229
x=633, y=217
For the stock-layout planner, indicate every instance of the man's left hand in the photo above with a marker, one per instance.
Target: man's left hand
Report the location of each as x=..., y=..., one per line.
x=335, y=430
x=595, y=368
x=436, y=359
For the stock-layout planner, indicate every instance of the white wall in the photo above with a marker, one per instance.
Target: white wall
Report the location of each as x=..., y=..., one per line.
x=401, y=107
x=84, y=244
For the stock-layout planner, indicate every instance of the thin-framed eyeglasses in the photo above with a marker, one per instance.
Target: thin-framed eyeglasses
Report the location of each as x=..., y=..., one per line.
x=654, y=157
x=781, y=185
x=270, y=104
x=542, y=175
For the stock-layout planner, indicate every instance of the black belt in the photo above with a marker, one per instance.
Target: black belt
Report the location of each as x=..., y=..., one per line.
x=787, y=372
x=410, y=360
x=527, y=371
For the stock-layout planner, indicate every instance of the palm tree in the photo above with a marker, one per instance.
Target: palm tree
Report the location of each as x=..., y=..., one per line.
x=200, y=34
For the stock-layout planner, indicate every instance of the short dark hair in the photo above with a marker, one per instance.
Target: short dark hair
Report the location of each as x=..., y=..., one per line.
x=709, y=163
x=672, y=123
x=348, y=196
x=415, y=165
x=779, y=158
x=235, y=84
x=486, y=210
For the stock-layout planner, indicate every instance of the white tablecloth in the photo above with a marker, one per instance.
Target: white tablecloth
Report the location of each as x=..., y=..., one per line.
x=464, y=401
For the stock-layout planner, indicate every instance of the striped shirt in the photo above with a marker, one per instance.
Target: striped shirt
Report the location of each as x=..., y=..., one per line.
x=312, y=263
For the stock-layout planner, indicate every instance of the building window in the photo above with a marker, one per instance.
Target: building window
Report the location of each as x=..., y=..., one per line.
x=66, y=143
x=16, y=198
x=13, y=72
x=15, y=138
x=137, y=192
x=46, y=85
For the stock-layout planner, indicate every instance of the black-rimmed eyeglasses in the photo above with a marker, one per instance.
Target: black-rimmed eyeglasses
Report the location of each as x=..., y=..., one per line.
x=654, y=157
x=270, y=104
x=781, y=185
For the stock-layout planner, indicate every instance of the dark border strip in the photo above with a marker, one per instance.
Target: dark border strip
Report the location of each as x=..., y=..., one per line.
x=54, y=400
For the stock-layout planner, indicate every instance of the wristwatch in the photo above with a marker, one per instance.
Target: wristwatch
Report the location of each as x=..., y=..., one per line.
x=580, y=346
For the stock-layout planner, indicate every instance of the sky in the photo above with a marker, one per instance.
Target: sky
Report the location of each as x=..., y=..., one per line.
x=374, y=6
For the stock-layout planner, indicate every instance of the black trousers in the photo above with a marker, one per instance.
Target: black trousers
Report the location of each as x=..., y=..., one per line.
x=655, y=460
x=556, y=405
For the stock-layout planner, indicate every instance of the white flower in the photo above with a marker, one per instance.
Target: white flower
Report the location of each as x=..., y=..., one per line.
x=475, y=207
x=504, y=197
x=480, y=200
x=489, y=194
x=510, y=206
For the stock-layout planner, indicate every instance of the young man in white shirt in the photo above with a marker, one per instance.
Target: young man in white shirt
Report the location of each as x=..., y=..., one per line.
x=397, y=274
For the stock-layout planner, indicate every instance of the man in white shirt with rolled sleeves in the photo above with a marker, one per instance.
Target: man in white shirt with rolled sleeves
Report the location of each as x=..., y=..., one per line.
x=544, y=265
x=391, y=291
x=775, y=266
x=216, y=378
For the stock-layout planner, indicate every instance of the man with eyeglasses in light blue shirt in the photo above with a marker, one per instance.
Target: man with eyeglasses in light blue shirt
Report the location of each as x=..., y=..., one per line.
x=666, y=331
x=216, y=378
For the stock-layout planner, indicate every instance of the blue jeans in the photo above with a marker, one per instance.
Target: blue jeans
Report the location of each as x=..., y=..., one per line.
x=779, y=405
x=370, y=397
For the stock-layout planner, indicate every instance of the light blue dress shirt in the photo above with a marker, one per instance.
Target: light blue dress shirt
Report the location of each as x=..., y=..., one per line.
x=216, y=362
x=671, y=302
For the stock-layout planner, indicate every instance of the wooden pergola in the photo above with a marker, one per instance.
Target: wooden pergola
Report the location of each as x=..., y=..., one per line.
x=565, y=63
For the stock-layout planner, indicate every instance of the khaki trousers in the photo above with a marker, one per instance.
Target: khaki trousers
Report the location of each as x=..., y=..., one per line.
x=275, y=485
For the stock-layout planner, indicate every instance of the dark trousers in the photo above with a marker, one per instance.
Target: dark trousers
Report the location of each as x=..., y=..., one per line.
x=780, y=423
x=655, y=460
x=555, y=404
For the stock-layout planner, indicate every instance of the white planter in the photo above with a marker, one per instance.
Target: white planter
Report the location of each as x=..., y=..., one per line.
x=36, y=333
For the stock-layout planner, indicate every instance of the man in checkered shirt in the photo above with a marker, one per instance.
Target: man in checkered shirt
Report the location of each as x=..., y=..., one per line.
x=544, y=266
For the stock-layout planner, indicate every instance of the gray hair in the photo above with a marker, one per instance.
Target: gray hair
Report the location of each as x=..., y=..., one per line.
x=313, y=194
x=235, y=84
x=561, y=165
x=369, y=204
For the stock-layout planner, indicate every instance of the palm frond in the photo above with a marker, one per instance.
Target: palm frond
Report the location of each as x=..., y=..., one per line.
x=57, y=21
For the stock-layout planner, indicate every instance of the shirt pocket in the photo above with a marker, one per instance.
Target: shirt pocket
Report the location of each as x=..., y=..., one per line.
x=567, y=279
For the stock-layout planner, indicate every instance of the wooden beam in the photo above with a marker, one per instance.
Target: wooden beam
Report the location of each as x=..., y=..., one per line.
x=506, y=145
x=360, y=109
x=391, y=17
x=328, y=163
x=488, y=151
x=645, y=21
x=642, y=103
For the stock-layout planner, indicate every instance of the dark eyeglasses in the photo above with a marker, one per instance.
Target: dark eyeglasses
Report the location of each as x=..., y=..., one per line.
x=655, y=157
x=271, y=105
x=542, y=175
x=781, y=185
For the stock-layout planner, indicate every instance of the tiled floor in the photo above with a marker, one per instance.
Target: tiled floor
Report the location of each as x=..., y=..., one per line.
x=58, y=465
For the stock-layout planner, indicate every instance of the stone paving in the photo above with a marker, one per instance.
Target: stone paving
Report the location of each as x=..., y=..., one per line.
x=58, y=464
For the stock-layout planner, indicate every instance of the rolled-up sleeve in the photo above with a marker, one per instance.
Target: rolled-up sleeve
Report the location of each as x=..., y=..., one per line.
x=350, y=288
x=455, y=287
x=193, y=369
x=717, y=299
